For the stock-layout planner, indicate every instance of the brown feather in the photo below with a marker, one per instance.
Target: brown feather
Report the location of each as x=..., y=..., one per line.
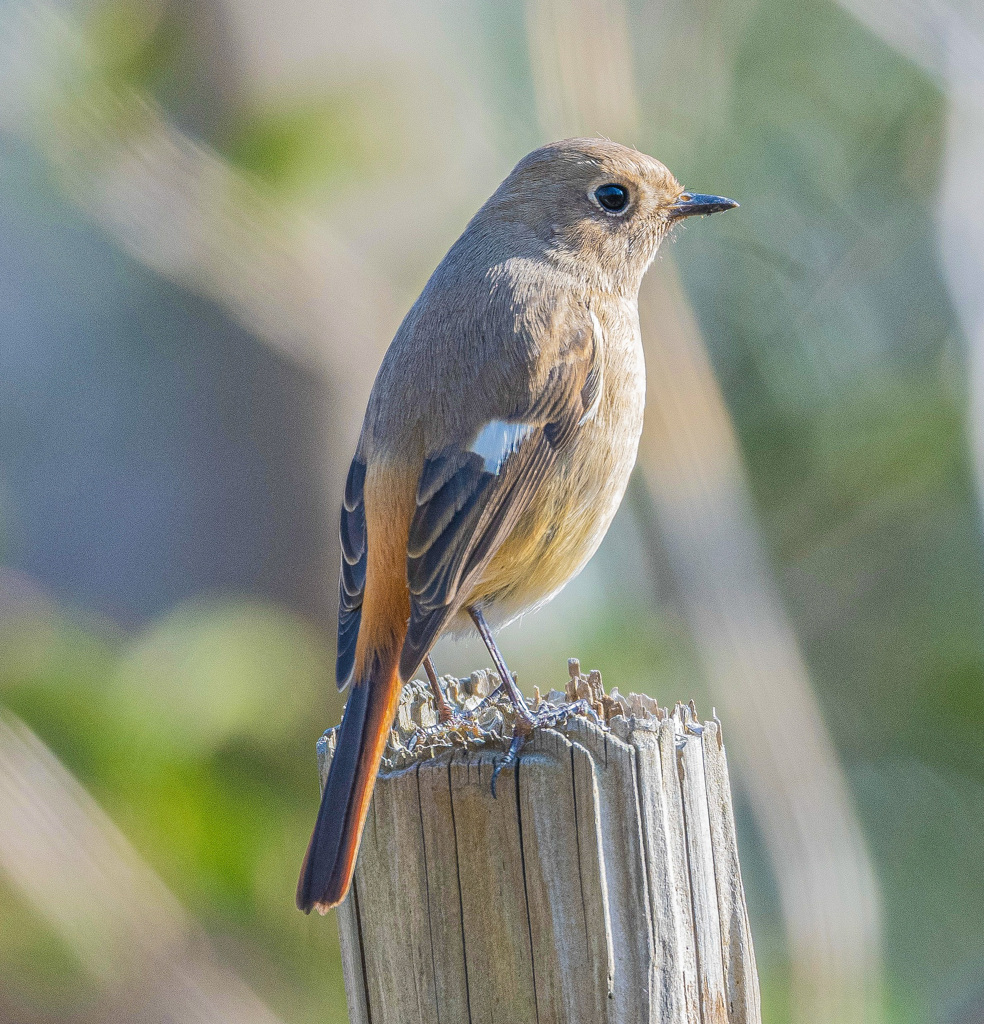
x=528, y=329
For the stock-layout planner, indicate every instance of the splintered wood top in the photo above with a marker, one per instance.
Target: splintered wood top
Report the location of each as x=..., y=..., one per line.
x=602, y=885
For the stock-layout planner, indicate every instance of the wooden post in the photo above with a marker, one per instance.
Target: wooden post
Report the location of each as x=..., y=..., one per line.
x=601, y=886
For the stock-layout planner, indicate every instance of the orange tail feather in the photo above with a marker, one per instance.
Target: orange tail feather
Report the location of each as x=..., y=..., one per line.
x=330, y=860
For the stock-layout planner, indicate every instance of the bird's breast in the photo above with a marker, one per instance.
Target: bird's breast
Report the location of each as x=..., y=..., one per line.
x=574, y=506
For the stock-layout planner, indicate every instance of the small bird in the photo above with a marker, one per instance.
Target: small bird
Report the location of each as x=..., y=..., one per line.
x=497, y=445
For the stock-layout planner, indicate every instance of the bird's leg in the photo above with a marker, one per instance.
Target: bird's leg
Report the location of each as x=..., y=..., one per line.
x=449, y=721
x=525, y=719
x=444, y=712
x=548, y=717
x=522, y=710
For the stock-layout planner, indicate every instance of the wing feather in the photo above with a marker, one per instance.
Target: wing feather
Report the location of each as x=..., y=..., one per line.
x=467, y=505
x=352, y=578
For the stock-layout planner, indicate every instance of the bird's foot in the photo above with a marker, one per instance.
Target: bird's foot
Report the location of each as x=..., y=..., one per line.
x=456, y=729
x=549, y=716
x=445, y=713
x=512, y=756
x=546, y=716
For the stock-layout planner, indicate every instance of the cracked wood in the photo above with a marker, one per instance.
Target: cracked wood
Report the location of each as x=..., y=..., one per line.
x=602, y=887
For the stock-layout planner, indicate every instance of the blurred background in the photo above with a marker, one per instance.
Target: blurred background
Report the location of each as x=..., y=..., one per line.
x=213, y=216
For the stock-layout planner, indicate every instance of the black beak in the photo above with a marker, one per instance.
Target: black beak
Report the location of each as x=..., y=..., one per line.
x=689, y=204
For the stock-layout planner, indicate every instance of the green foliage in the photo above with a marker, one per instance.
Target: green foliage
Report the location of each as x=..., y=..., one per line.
x=136, y=45
x=311, y=146
x=835, y=343
x=197, y=738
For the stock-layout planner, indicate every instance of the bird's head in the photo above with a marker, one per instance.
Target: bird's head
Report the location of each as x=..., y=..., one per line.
x=598, y=208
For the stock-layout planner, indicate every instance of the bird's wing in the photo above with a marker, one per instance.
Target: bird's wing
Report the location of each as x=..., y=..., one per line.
x=352, y=578
x=470, y=495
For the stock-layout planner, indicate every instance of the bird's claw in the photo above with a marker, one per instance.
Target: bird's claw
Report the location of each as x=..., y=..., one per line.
x=546, y=717
x=550, y=716
x=512, y=756
x=459, y=727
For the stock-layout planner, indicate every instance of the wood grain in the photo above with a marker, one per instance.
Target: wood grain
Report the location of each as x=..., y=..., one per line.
x=603, y=885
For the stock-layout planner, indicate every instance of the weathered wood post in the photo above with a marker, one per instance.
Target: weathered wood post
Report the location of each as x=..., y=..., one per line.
x=601, y=886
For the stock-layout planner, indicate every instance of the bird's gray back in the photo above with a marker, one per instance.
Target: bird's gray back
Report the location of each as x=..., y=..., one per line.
x=476, y=345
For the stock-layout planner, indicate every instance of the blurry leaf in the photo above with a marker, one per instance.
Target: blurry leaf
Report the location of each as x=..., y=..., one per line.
x=53, y=671
x=638, y=649
x=134, y=43
x=40, y=967
x=925, y=828
x=42, y=647
x=210, y=672
x=307, y=145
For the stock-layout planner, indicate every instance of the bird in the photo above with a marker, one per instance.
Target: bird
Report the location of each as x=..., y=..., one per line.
x=497, y=445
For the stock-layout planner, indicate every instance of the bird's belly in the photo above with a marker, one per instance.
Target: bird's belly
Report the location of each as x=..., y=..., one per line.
x=570, y=512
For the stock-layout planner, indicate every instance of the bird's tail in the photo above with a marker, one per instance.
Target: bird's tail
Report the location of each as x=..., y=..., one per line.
x=330, y=860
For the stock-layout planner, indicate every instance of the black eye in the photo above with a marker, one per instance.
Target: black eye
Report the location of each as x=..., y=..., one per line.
x=612, y=197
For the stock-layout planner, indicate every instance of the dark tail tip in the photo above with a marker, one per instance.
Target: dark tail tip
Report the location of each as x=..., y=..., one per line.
x=305, y=897
x=315, y=894
x=330, y=855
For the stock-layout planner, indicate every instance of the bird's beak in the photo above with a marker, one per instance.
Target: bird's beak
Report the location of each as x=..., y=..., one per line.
x=689, y=204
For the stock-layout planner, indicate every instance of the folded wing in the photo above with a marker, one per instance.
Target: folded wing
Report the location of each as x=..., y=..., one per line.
x=352, y=578
x=470, y=495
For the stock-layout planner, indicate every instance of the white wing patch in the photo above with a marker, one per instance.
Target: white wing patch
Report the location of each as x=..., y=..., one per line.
x=599, y=339
x=497, y=440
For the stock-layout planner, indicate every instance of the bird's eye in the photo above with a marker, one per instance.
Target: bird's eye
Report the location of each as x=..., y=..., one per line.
x=612, y=197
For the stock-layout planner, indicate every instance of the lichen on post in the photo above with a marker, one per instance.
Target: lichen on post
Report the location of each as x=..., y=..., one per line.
x=602, y=885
